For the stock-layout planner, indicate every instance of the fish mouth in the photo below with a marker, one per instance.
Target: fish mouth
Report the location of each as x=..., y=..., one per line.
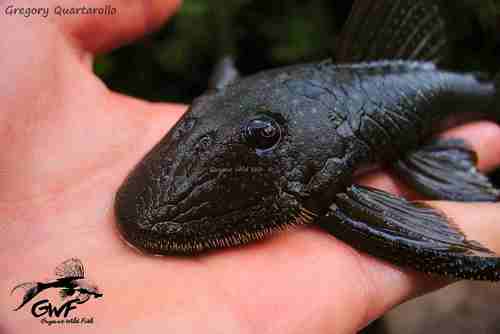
x=177, y=202
x=232, y=229
x=165, y=207
x=156, y=219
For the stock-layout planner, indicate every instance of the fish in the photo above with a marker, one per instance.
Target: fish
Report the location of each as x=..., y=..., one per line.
x=257, y=155
x=71, y=281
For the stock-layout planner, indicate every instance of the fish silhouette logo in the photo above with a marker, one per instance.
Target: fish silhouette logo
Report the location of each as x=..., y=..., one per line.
x=70, y=282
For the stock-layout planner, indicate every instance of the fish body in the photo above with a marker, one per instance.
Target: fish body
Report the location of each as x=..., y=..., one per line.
x=280, y=148
x=356, y=114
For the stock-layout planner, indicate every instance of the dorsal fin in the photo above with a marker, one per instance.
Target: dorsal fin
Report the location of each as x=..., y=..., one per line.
x=394, y=29
x=71, y=268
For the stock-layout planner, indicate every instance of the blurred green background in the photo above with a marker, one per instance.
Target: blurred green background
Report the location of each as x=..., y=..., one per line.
x=174, y=63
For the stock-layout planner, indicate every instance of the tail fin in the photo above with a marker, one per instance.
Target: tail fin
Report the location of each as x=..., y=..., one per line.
x=32, y=289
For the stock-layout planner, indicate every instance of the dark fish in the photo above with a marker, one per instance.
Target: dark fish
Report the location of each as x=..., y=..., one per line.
x=279, y=148
x=71, y=281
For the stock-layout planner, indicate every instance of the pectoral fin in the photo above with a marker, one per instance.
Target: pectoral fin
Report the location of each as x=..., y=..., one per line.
x=394, y=29
x=408, y=234
x=446, y=170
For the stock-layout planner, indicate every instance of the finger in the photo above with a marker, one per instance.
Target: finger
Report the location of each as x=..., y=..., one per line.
x=483, y=136
x=122, y=21
x=479, y=221
x=387, y=286
x=348, y=288
x=388, y=181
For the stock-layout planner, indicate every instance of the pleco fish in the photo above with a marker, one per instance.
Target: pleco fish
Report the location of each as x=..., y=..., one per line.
x=256, y=155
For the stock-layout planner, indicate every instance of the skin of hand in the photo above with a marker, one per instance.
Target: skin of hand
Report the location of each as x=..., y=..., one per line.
x=69, y=142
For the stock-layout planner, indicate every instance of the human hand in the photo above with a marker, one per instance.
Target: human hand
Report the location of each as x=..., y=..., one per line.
x=69, y=143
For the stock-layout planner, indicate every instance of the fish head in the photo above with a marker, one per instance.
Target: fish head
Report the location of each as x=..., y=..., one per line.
x=227, y=173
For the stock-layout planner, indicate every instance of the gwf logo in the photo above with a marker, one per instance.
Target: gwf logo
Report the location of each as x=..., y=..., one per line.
x=44, y=307
x=70, y=282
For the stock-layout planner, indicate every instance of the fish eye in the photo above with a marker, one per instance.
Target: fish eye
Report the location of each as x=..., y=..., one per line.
x=262, y=133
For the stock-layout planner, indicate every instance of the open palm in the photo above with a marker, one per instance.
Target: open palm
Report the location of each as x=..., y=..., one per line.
x=68, y=143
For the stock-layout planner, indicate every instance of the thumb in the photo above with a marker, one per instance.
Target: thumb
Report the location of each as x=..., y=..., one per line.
x=122, y=21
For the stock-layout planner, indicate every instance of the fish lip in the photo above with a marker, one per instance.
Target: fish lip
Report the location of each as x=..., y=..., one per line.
x=153, y=227
x=182, y=240
x=179, y=220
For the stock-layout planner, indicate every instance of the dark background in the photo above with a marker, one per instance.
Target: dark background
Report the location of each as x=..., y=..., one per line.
x=174, y=63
